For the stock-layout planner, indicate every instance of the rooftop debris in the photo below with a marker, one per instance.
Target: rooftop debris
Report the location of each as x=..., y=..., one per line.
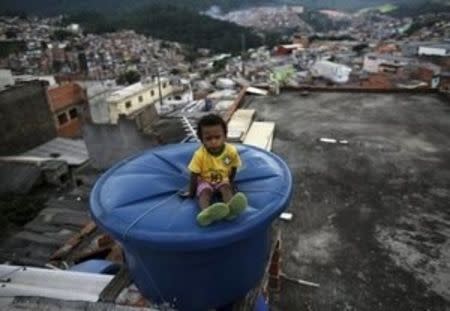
x=299, y=281
x=286, y=216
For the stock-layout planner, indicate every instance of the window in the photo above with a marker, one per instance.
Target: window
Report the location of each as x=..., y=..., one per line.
x=371, y=57
x=63, y=178
x=128, y=104
x=177, y=97
x=73, y=113
x=62, y=118
x=164, y=85
x=152, y=93
x=141, y=99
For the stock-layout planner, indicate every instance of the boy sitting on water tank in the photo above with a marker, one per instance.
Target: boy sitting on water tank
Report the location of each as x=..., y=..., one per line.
x=213, y=169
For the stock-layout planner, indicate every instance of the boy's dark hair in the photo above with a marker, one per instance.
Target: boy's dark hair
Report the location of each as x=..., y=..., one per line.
x=210, y=120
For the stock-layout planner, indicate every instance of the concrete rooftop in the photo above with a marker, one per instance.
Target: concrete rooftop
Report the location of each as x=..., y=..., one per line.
x=371, y=219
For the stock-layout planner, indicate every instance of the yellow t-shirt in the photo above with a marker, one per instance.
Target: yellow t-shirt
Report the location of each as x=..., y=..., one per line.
x=215, y=169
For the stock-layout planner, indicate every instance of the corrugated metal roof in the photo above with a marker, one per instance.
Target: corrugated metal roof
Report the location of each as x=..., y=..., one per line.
x=60, y=220
x=73, y=151
x=65, y=285
x=46, y=304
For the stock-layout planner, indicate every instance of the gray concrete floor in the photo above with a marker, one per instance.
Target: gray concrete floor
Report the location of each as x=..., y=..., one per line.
x=372, y=218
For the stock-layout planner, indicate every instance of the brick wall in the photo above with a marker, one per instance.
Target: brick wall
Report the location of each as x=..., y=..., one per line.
x=66, y=95
x=423, y=74
x=69, y=77
x=444, y=62
x=445, y=84
x=71, y=129
x=62, y=100
x=378, y=81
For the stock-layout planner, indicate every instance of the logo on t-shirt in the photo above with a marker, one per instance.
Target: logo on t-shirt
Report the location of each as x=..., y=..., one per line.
x=216, y=177
x=226, y=160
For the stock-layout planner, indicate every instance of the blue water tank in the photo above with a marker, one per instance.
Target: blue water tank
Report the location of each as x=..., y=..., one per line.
x=171, y=258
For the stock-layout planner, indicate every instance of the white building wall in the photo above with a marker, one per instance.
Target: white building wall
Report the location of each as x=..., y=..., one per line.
x=371, y=64
x=145, y=95
x=332, y=71
x=6, y=78
x=425, y=50
x=435, y=82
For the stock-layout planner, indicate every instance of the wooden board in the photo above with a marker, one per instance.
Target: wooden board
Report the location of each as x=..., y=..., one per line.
x=261, y=135
x=257, y=91
x=239, y=124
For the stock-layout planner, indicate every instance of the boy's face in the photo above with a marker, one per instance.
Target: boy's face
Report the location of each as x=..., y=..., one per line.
x=213, y=137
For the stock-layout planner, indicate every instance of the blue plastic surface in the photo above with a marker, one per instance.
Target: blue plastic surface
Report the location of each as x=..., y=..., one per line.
x=97, y=266
x=261, y=304
x=171, y=258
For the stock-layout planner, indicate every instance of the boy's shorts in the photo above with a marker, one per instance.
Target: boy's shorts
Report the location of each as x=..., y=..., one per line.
x=203, y=185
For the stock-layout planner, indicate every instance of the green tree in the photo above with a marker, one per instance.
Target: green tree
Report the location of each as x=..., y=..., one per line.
x=172, y=22
x=219, y=65
x=61, y=35
x=129, y=77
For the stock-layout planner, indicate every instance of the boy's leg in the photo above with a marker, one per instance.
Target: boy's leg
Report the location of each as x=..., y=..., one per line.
x=204, y=194
x=209, y=213
x=212, y=213
x=226, y=192
x=237, y=205
x=204, y=198
x=236, y=202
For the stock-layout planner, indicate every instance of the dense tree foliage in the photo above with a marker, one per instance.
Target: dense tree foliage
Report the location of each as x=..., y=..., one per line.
x=129, y=77
x=52, y=7
x=415, y=9
x=61, y=35
x=174, y=24
x=11, y=47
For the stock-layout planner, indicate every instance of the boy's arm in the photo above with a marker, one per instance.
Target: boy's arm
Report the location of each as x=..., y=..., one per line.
x=232, y=175
x=193, y=184
x=195, y=169
x=190, y=192
x=231, y=178
x=236, y=162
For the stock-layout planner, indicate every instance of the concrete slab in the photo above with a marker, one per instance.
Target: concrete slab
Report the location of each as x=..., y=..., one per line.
x=371, y=218
x=18, y=177
x=73, y=151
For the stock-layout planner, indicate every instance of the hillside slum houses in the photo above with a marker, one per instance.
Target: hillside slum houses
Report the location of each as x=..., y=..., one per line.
x=61, y=133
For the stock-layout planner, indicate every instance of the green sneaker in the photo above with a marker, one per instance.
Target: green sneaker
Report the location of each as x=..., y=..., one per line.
x=237, y=205
x=214, y=212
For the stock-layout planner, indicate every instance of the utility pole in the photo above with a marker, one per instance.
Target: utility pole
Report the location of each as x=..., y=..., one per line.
x=242, y=53
x=159, y=86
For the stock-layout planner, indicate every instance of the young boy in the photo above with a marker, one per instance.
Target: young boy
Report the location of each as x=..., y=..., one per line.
x=213, y=168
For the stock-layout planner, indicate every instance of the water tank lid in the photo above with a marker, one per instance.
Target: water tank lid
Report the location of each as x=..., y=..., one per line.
x=136, y=200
